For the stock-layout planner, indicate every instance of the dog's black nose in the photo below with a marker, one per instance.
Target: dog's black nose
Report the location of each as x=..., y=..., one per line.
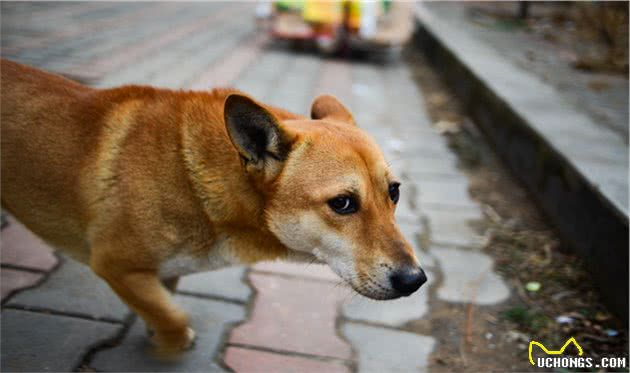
x=408, y=280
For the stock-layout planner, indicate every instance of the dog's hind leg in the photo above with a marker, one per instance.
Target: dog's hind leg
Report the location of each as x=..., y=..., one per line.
x=149, y=298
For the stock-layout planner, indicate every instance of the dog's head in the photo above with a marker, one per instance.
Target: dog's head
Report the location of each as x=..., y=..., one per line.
x=329, y=193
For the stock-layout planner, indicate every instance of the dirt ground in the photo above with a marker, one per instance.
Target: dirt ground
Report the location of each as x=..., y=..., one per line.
x=528, y=254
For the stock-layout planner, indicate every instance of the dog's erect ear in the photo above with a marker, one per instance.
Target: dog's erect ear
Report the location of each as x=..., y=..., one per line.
x=327, y=106
x=254, y=131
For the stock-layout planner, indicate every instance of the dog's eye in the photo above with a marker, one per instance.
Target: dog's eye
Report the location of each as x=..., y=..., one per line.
x=394, y=192
x=343, y=205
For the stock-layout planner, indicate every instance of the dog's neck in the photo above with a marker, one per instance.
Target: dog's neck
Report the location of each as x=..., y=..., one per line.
x=231, y=201
x=234, y=200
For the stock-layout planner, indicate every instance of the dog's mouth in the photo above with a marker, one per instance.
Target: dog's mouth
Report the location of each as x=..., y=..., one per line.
x=369, y=287
x=376, y=292
x=391, y=283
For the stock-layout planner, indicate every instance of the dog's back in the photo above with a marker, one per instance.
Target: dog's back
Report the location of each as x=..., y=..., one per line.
x=75, y=158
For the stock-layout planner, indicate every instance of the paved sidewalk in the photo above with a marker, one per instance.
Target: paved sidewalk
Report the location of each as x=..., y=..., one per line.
x=272, y=317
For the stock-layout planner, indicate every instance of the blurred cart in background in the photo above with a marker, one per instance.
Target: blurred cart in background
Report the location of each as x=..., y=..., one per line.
x=336, y=26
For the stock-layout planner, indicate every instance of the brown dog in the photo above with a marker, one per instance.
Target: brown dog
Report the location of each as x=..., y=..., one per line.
x=147, y=184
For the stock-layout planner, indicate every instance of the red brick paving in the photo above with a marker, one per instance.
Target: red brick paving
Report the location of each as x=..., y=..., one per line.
x=12, y=280
x=20, y=247
x=294, y=315
x=80, y=29
x=66, y=11
x=246, y=361
x=132, y=52
x=314, y=271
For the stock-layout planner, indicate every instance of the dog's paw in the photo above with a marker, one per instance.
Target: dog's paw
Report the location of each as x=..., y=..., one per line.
x=190, y=339
x=173, y=342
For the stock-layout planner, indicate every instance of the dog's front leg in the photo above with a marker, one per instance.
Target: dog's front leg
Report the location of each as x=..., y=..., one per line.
x=171, y=284
x=144, y=292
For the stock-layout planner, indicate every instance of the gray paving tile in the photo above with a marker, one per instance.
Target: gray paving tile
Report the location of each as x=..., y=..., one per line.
x=369, y=104
x=37, y=342
x=398, y=167
x=385, y=350
x=74, y=288
x=432, y=167
x=424, y=142
x=393, y=313
x=383, y=138
x=452, y=227
x=434, y=193
x=294, y=91
x=405, y=211
x=226, y=283
x=260, y=79
x=468, y=277
x=410, y=230
x=209, y=318
x=427, y=155
x=427, y=260
x=413, y=233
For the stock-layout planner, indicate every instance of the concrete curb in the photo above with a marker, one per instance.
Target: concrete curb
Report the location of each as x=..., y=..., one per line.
x=515, y=114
